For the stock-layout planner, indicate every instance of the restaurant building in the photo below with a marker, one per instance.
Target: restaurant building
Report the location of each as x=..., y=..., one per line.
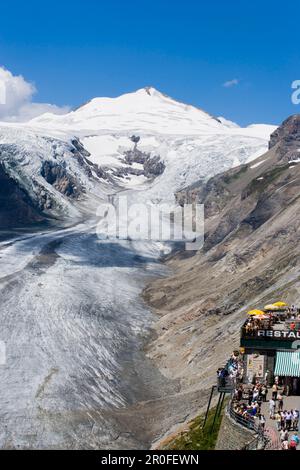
x=271, y=348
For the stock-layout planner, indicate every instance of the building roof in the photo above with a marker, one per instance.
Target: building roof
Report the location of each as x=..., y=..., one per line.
x=287, y=364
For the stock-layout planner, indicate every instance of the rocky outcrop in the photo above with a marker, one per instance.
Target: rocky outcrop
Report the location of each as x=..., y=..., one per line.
x=289, y=131
x=149, y=166
x=134, y=162
x=57, y=176
x=83, y=158
x=16, y=208
x=152, y=165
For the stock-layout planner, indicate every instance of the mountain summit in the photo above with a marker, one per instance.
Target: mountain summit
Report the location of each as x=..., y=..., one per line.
x=144, y=140
x=146, y=109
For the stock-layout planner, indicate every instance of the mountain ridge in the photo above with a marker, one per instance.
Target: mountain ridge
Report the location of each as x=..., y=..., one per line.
x=137, y=102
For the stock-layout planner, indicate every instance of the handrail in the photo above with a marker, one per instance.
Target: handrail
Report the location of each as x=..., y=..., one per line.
x=246, y=422
x=266, y=438
x=260, y=442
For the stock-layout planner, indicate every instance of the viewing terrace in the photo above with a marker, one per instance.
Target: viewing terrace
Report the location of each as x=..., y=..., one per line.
x=266, y=366
x=272, y=328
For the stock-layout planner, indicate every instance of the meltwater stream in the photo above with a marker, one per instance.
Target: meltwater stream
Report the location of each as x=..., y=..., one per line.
x=74, y=324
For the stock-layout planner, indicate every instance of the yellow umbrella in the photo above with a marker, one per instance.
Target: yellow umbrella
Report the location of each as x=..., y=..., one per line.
x=256, y=312
x=270, y=307
x=280, y=304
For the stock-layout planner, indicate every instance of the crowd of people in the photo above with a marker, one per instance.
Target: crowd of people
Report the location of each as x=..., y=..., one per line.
x=269, y=319
x=286, y=443
x=254, y=324
x=233, y=370
x=249, y=399
x=286, y=420
x=247, y=403
x=250, y=414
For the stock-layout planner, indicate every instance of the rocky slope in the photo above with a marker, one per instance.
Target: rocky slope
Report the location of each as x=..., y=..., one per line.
x=250, y=257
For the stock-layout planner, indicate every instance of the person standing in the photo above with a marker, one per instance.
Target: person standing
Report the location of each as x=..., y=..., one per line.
x=255, y=394
x=282, y=416
x=250, y=396
x=264, y=393
x=295, y=420
x=267, y=376
x=262, y=421
x=295, y=439
x=272, y=408
x=280, y=402
x=288, y=420
x=274, y=391
x=278, y=420
x=284, y=435
x=285, y=445
x=293, y=445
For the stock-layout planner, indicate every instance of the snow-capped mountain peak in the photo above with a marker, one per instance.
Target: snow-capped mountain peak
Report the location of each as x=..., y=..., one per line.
x=143, y=139
x=146, y=109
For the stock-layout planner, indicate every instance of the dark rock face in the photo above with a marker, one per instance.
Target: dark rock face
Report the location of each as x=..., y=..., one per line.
x=57, y=176
x=247, y=197
x=16, y=208
x=135, y=139
x=153, y=166
x=289, y=129
x=80, y=149
x=82, y=156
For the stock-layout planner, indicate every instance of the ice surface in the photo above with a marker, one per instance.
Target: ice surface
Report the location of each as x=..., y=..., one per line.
x=72, y=321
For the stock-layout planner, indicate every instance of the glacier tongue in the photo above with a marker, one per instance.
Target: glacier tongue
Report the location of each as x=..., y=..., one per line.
x=73, y=324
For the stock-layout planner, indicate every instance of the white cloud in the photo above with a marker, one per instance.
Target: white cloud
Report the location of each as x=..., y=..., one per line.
x=16, y=99
x=231, y=83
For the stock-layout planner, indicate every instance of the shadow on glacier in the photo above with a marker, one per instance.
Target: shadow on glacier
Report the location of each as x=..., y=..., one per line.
x=106, y=254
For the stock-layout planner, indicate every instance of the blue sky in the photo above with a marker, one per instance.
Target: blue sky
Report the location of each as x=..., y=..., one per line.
x=76, y=50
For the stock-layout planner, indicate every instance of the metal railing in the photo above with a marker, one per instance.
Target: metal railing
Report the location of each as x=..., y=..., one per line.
x=248, y=422
x=265, y=438
x=258, y=443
